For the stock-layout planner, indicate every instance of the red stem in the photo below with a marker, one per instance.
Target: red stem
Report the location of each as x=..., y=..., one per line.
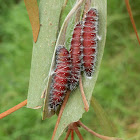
x=13, y=109
x=83, y=95
x=96, y=134
x=131, y=18
x=60, y=113
x=72, y=135
x=78, y=133
x=67, y=135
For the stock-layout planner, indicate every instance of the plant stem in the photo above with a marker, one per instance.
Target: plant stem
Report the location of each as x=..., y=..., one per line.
x=67, y=135
x=96, y=134
x=83, y=95
x=131, y=18
x=78, y=133
x=60, y=113
x=72, y=134
x=13, y=109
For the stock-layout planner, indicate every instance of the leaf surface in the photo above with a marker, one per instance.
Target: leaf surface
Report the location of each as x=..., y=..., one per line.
x=75, y=107
x=43, y=50
x=61, y=40
x=103, y=118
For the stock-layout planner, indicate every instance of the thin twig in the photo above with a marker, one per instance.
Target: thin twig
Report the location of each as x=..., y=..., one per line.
x=13, y=109
x=78, y=133
x=67, y=135
x=132, y=19
x=72, y=134
x=96, y=134
x=83, y=95
x=60, y=113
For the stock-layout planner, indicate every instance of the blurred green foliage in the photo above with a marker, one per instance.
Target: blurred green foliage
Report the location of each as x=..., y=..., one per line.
x=117, y=88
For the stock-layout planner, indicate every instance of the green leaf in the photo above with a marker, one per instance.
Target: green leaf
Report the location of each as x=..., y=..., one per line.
x=62, y=41
x=43, y=50
x=102, y=117
x=75, y=107
x=33, y=12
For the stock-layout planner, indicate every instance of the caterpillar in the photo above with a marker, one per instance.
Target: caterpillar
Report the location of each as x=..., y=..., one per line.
x=81, y=57
x=75, y=56
x=61, y=77
x=89, y=41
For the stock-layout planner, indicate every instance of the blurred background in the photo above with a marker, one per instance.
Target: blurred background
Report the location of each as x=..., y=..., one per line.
x=117, y=89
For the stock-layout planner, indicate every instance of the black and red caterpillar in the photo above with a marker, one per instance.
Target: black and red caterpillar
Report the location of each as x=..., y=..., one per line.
x=82, y=57
x=89, y=41
x=75, y=56
x=83, y=49
x=61, y=77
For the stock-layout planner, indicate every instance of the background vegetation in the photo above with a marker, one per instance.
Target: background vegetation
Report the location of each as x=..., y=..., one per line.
x=117, y=88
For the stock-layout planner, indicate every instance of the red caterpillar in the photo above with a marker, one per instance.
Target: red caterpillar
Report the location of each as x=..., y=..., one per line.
x=89, y=41
x=68, y=65
x=75, y=56
x=61, y=78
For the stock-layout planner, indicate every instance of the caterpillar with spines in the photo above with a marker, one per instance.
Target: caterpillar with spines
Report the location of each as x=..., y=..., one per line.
x=75, y=56
x=61, y=77
x=81, y=57
x=89, y=41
